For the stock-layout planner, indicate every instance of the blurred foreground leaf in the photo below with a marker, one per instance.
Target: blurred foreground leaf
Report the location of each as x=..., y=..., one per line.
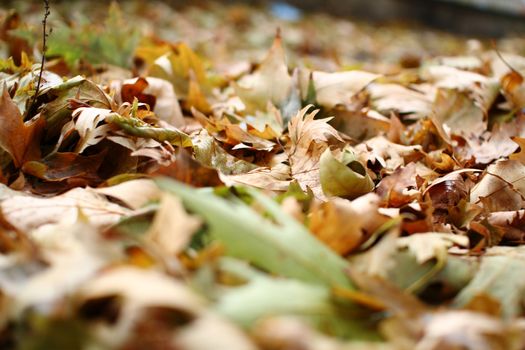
x=283, y=247
x=113, y=43
x=264, y=296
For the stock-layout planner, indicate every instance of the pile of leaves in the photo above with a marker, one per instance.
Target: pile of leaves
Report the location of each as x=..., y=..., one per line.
x=154, y=198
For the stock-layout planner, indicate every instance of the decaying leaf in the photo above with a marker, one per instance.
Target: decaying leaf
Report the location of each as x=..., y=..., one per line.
x=88, y=125
x=388, y=154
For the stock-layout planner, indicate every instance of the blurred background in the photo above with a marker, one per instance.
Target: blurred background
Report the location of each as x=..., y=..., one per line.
x=483, y=18
x=473, y=17
x=374, y=35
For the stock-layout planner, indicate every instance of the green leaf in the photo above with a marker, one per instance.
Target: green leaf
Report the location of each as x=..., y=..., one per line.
x=343, y=176
x=500, y=276
x=265, y=296
x=136, y=127
x=282, y=246
x=208, y=152
x=114, y=43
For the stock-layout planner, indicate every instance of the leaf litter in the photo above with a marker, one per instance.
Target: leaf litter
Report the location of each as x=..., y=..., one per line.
x=179, y=182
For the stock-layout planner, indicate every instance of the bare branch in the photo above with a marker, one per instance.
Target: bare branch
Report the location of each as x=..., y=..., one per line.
x=44, y=47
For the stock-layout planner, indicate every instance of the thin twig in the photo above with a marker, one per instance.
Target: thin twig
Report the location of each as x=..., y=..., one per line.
x=44, y=47
x=495, y=48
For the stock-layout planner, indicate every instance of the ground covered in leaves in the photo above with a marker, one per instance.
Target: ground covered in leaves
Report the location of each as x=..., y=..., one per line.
x=178, y=181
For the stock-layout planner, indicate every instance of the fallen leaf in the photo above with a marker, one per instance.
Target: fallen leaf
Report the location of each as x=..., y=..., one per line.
x=344, y=225
x=495, y=144
x=158, y=94
x=134, y=193
x=88, y=123
x=172, y=228
x=308, y=140
x=136, y=127
x=332, y=89
x=399, y=188
x=502, y=187
x=270, y=82
x=260, y=241
x=62, y=166
x=276, y=178
x=28, y=213
x=499, y=277
x=408, y=102
x=430, y=245
x=458, y=114
x=210, y=332
x=481, y=89
x=140, y=289
x=175, y=66
x=388, y=154
x=19, y=139
x=513, y=88
x=342, y=175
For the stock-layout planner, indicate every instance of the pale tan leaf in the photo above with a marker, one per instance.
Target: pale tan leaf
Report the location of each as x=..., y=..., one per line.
x=496, y=143
x=270, y=82
x=28, y=213
x=502, y=187
x=457, y=114
x=405, y=101
x=73, y=252
x=140, y=289
x=309, y=138
x=389, y=154
x=87, y=121
x=276, y=178
x=210, y=332
x=134, y=193
x=426, y=246
x=337, y=88
x=469, y=330
x=481, y=89
x=172, y=227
